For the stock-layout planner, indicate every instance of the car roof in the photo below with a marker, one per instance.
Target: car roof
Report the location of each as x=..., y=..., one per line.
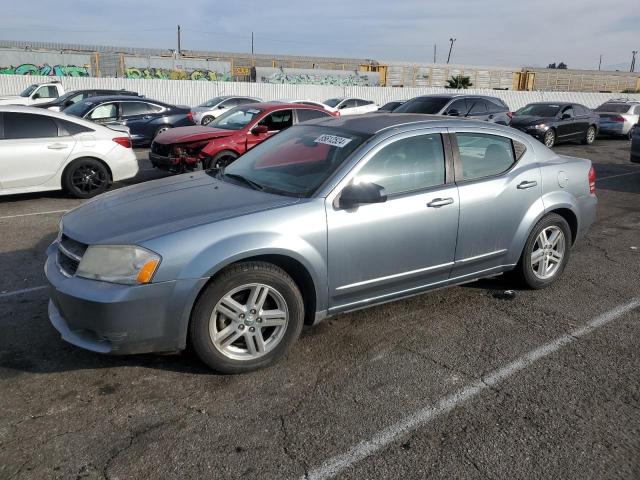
x=48, y=113
x=275, y=105
x=117, y=98
x=553, y=103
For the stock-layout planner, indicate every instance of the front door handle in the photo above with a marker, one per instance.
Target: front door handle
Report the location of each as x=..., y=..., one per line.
x=440, y=202
x=57, y=146
x=527, y=184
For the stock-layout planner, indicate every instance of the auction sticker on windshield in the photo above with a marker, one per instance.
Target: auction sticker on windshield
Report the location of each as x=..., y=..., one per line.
x=334, y=140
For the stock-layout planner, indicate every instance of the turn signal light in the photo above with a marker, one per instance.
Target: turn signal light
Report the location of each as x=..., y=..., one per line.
x=592, y=180
x=124, y=141
x=146, y=272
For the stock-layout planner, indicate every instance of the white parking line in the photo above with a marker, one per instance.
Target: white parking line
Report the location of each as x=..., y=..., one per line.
x=619, y=175
x=36, y=213
x=338, y=463
x=20, y=292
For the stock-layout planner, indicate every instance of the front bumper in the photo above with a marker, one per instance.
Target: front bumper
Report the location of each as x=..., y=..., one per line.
x=162, y=162
x=537, y=133
x=120, y=319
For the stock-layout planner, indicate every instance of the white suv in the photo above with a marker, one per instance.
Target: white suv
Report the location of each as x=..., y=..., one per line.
x=34, y=94
x=44, y=150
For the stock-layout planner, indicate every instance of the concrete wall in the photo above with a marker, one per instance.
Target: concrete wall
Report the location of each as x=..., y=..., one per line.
x=186, y=92
x=21, y=62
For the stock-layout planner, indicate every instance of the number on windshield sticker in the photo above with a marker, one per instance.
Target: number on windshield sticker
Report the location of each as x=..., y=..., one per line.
x=333, y=140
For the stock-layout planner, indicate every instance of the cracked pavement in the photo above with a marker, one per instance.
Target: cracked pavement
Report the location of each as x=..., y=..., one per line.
x=67, y=413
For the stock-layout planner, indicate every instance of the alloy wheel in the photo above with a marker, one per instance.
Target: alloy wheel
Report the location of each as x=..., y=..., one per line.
x=591, y=135
x=249, y=321
x=549, y=138
x=548, y=252
x=88, y=179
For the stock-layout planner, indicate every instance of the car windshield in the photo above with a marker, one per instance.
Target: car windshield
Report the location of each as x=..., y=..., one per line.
x=78, y=109
x=332, y=102
x=613, y=108
x=296, y=161
x=539, y=110
x=429, y=105
x=236, y=118
x=212, y=103
x=28, y=91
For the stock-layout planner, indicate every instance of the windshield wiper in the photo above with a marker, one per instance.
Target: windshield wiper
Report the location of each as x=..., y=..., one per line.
x=246, y=181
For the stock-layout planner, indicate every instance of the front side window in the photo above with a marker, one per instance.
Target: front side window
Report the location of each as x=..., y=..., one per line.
x=483, y=155
x=106, y=111
x=277, y=121
x=405, y=165
x=47, y=91
x=567, y=111
x=28, y=125
x=350, y=103
x=460, y=106
x=332, y=102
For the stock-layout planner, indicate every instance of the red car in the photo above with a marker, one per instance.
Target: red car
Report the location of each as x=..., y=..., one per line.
x=228, y=136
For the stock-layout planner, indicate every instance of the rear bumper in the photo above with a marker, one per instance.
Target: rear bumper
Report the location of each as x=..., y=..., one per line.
x=617, y=128
x=587, y=206
x=120, y=319
x=123, y=163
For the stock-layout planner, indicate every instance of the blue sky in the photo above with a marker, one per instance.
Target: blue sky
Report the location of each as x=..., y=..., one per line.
x=488, y=32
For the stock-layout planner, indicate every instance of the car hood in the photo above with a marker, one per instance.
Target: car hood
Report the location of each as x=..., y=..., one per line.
x=139, y=213
x=191, y=134
x=525, y=120
x=12, y=99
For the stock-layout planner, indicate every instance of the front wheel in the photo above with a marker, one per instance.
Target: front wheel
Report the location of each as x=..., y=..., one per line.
x=550, y=138
x=247, y=318
x=546, y=252
x=207, y=120
x=85, y=178
x=590, y=136
x=220, y=160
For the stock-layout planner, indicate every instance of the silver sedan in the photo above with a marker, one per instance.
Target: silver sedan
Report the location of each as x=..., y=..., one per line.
x=325, y=217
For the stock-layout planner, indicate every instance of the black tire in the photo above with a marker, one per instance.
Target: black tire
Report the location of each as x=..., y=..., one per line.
x=85, y=178
x=589, y=136
x=206, y=120
x=220, y=159
x=161, y=129
x=524, y=270
x=231, y=278
x=549, y=138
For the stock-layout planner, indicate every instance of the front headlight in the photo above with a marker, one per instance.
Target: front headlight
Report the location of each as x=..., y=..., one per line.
x=126, y=264
x=540, y=126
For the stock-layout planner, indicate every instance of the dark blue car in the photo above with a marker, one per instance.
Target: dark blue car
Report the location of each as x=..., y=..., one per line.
x=145, y=118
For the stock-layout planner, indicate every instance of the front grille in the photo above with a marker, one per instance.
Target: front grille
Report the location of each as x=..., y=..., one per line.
x=161, y=149
x=70, y=253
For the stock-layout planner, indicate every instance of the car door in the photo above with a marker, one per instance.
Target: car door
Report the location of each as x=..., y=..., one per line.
x=44, y=93
x=566, y=129
x=582, y=121
x=275, y=122
x=31, y=150
x=139, y=117
x=498, y=190
x=477, y=109
x=381, y=250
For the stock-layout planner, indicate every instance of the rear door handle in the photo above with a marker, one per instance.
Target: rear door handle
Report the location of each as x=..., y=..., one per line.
x=440, y=202
x=527, y=184
x=57, y=146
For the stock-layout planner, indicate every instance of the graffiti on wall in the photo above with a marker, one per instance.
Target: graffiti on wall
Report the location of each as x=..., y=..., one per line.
x=349, y=80
x=47, y=70
x=151, y=73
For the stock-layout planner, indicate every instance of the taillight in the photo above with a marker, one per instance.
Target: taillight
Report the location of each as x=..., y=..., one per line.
x=124, y=141
x=190, y=117
x=592, y=180
x=617, y=119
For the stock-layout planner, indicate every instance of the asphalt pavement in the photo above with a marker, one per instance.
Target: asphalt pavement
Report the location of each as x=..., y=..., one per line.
x=465, y=382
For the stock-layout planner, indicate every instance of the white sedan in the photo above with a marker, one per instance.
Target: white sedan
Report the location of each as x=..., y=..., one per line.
x=333, y=111
x=351, y=106
x=43, y=150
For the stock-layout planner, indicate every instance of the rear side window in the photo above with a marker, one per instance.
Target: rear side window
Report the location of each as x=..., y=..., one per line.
x=69, y=128
x=405, y=165
x=496, y=105
x=483, y=155
x=28, y=125
x=636, y=111
x=130, y=109
x=305, y=114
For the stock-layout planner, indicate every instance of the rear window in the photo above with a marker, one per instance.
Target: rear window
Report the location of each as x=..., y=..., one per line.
x=613, y=108
x=430, y=105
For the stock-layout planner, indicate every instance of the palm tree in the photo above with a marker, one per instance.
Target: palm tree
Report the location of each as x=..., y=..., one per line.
x=459, y=82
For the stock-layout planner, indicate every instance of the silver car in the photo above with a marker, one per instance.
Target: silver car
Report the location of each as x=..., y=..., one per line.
x=325, y=217
x=208, y=111
x=619, y=117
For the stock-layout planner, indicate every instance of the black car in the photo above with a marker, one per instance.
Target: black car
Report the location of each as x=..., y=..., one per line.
x=552, y=122
x=145, y=118
x=75, y=96
x=478, y=107
x=635, y=144
x=390, y=106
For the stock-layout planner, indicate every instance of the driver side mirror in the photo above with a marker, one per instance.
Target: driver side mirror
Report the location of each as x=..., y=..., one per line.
x=361, y=193
x=565, y=116
x=68, y=103
x=453, y=113
x=259, y=129
x=221, y=107
x=344, y=105
x=35, y=96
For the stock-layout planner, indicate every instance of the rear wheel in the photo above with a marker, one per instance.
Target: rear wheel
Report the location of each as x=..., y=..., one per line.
x=247, y=318
x=546, y=252
x=590, y=136
x=550, y=138
x=207, y=120
x=85, y=178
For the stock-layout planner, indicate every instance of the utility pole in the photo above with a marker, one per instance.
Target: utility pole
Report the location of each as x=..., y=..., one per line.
x=252, y=44
x=633, y=61
x=600, y=63
x=452, y=40
x=179, y=49
x=435, y=52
